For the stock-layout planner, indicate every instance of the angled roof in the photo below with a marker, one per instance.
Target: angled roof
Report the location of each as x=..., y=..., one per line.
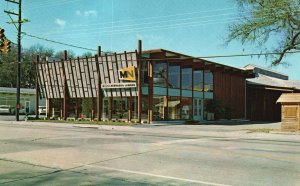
x=176, y=55
x=266, y=71
x=261, y=79
x=289, y=98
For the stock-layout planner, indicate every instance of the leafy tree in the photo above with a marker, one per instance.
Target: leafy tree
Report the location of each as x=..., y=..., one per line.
x=60, y=54
x=8, y=66
x=88, y=54
x=265, y=19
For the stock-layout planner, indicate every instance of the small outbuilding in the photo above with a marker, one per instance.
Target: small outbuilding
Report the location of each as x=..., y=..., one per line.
x=290, y=111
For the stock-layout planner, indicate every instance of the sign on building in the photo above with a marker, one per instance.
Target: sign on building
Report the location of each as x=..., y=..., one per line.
x=127, y=74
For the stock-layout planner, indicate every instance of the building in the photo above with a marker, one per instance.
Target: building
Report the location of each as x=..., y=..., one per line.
x=27, y=99
x=290, y=111
x=264, y=90
x=146, y=85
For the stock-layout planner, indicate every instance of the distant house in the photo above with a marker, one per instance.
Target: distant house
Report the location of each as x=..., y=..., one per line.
x=264, y=90
x=27, y=99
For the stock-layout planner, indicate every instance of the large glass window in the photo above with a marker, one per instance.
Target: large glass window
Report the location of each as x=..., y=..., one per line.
x=187, y=78
x=145, y=103
x=159, y=107
x=174, y=77
x=208, y=81
x=120, y=108
x=160, y=74
x=174, y=107
x=198, y=80
x=186, y=108
x=145, y=79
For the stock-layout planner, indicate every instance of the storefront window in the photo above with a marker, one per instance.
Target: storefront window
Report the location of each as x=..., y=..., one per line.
x=174, y=107
x=198, y=80
x=120, y=108
x=174, y=77
x=145, y=102
x=145, y=79
x=159, y=107
x=187, y=78
x=186, y=108
x=106, y=108
x=208, y=81
x=160, y=74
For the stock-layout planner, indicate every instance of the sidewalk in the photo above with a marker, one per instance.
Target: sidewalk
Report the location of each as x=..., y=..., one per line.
x=186, y=131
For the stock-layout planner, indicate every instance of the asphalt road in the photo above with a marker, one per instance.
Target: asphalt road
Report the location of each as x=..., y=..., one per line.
x=65, y=154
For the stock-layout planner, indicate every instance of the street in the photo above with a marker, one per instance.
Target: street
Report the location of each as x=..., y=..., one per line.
x=67, y=154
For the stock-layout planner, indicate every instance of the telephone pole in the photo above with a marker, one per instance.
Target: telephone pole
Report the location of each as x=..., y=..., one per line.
x=19, y=22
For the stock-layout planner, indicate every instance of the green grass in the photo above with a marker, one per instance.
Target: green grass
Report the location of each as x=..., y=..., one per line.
x=119, y=123
x=260, y=130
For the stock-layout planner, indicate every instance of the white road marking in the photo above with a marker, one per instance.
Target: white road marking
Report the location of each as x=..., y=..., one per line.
x=156, y=175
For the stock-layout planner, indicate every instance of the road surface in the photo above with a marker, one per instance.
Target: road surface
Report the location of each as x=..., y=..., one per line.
x=66, y=154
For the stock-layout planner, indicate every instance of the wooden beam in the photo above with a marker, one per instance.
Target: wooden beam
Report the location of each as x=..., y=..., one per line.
x=150, y=91
x=99, y=93
x=65, y=99
x=37, y=88
x=139, y=66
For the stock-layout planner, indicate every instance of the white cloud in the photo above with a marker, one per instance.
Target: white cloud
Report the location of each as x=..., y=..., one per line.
x=78, y=13
x=88, y=13
x=60, y=22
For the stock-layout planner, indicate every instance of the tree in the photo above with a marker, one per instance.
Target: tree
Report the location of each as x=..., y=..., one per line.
x=60, y=54
x=8, y=66
x=265, y=19
x=87, y=54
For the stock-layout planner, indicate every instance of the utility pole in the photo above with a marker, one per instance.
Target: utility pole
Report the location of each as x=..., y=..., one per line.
x=20, y=21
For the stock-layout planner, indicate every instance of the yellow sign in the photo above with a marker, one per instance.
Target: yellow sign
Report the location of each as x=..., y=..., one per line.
x=127, y=74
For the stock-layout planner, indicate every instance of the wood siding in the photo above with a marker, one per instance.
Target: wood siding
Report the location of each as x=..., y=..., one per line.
x=230, y=89
x=290, y=117
x=261, y=103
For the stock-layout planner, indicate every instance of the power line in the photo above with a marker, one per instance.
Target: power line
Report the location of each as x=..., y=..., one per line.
x=138, y=24
x=222, y=56
x=58, y=42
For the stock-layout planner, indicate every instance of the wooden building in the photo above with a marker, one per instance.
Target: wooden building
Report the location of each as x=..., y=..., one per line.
x=142, y=85
x=264, y=90
x=290, y=111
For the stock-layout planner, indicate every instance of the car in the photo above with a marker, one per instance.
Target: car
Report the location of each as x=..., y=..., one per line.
x=5, y=109
x=42, y=110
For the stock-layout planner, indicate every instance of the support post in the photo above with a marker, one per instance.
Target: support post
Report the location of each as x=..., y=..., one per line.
x=150, y=91
x=129, y=109
x=65, y=99
x=139, y=66
x=37, y=88
x=99, y=93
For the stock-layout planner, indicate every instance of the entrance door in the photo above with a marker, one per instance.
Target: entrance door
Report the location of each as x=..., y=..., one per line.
x=198, y=109
x=27, y=107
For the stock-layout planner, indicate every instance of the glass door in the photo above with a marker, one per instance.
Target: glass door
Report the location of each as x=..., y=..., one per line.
x=198, y=109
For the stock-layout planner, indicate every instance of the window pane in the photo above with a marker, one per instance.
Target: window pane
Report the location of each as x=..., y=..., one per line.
x=187, y=78
x=174, y=107
x=174, y=77
x=198, y=80
x=160, y=74
x=208, y=81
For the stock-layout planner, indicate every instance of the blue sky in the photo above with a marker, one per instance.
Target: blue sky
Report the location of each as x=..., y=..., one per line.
x=193, y=27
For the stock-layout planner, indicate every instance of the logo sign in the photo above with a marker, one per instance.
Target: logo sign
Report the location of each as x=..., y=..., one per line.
x=118, y=85
x=127, y=74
